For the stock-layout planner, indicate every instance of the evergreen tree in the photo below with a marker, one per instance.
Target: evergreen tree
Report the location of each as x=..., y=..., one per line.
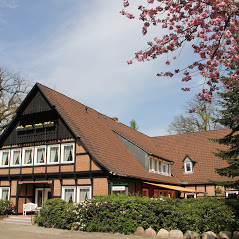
x=230, y=119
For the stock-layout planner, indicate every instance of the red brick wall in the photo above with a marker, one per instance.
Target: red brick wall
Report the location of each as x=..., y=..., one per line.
x=100, y=186
x=83, y=181
x=57, y=188
x=82, y=163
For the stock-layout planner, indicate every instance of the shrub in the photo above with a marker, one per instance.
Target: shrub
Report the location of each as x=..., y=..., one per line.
x=6, y=207
x=56, y=213
x=120, y=213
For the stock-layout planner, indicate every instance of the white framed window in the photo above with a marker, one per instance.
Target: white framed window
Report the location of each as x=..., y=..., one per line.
x=68, y=193
x=27, y=157
x=188, y=167
x=68, y=153
x=190, y=195
x=83, y=193
x=169, y=170
x=156, y=166
x=5, y=193
x=53, y=154
x=40, y=155
x=15, y=157
x=232, y=194
x=164, y=168
x=4, y=158
x=151, y=165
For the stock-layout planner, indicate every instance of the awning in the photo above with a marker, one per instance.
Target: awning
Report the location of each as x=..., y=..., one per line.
x=32, y=182
x=176, y=188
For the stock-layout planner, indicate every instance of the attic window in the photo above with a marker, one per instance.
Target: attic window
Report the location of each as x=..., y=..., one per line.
x=188, y=165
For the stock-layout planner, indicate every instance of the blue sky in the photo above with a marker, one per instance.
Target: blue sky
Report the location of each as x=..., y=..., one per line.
x=80, y=48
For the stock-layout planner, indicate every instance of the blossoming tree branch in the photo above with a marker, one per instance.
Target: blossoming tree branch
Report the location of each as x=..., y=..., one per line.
x=211, y=27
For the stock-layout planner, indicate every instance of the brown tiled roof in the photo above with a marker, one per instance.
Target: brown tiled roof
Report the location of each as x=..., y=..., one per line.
x=199, y=148
x=95, y=131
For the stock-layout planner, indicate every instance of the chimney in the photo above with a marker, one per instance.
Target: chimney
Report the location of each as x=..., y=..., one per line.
x=115, y=119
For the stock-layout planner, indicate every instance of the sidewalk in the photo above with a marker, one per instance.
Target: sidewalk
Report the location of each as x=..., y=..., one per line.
x=17, y=231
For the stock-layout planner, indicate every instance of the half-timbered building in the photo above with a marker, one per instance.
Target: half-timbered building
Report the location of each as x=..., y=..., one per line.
x=57, y=147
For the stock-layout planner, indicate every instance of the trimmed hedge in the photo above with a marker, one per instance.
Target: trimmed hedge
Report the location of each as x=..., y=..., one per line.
x=6, y=207
x=120, y=213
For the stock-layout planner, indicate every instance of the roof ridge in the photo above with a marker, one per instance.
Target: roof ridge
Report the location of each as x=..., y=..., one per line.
x=190, y=133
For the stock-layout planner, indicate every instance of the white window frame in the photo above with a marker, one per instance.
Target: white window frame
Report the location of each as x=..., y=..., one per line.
x=49, y=153
x=151, y=163
x=166, y=168
x=63, y=191
x=1, y=157
x=1, y=188
x=185, y=167
x=189, y=194
x=156, y=162
x=83, y=187
x=62, y=153
x=169, y=170
x=23, y=156
x=35, y=154
x=231, y=192
x=20, y=158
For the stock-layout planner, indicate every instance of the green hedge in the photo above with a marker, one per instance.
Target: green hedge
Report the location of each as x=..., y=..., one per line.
x=119, y=213
x=56, y=213
x=6, y=207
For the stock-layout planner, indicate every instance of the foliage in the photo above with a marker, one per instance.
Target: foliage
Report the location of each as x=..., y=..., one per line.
x=12, y=89
x=6, y=207
x=203, y=118
x=56, y=213
x=133, y=124
x=230, y=118
x=209, y=27
x=119, y=213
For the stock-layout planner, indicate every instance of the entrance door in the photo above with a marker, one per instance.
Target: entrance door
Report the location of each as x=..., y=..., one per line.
x=42, y=194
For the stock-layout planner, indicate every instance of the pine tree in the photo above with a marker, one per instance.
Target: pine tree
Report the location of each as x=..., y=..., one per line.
x=230, y=119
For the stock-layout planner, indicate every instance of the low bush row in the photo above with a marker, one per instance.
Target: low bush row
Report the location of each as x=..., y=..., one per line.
x=119, y=213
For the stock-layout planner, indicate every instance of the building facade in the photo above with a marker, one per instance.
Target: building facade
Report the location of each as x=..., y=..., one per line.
x=57, y=147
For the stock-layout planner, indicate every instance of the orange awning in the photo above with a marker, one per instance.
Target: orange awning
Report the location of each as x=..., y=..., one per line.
x=176, y=188
x=29, y=182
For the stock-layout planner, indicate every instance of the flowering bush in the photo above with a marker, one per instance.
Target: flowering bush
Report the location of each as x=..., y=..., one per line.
x=120, y=213
x=6, y=207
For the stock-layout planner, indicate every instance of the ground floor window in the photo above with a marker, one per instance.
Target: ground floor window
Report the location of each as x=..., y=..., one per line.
x=76, y=193
x=190, y=195
x=5, y=193
x=84, y=193
x=232, y=194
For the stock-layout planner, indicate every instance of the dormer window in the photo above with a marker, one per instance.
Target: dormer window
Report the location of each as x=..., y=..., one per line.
x=188, y=165
x=157, y=166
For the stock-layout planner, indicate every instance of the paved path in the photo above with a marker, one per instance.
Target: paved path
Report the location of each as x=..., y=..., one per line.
x=17, y=231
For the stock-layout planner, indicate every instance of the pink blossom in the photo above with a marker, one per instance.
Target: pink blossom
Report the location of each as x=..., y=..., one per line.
x=126, y=3
x=130, y=62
